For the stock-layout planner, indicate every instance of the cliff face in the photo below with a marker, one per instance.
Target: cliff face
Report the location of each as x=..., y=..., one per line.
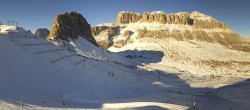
x=125, y=17
x=161, y=17
x=204, y=21
x=195, y=19
x=159, y=25
x=112, y=31
x=71, y=25
x=193, y=42
x=105, y=34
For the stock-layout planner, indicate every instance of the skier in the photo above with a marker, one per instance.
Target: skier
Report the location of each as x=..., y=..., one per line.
x=194, y=105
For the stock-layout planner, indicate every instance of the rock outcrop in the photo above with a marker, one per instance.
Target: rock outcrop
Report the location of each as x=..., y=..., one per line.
x=204, y=21
x=159, y=25
x=161, y=17
x=195, y=19
x=104, y=34
x=125, y=17
x=71, y=25
x=42, y=32
x=112, y=30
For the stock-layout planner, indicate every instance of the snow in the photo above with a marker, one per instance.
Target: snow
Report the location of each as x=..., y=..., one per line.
x=157, y=12
x=48, y=75
x=187, y=56
x=5, y=29
x=158, y=26
x=43, y=75
x=142, y=104
x=200, y=16
x=107, y=106
x=129, y=12
x=107, y=24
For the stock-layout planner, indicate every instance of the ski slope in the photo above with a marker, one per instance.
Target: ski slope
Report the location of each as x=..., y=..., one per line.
x=45, y=74
x=202, y=60
x=49, y=75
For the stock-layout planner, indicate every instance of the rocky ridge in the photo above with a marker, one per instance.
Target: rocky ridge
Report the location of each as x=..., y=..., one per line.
x=180, y=26
x=125, y=17
x=195, y=19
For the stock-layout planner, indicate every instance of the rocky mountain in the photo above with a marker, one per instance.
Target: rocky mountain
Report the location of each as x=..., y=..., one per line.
x=42, y=32
x=107, y=38
x=194, y=42
x=179, y=26
x=195, y=19
x=71, y=25
x=126, y=17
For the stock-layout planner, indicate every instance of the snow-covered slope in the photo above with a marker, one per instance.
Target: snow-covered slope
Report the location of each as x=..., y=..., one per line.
x=79, y=75
x=44, y=74
x=205, y=53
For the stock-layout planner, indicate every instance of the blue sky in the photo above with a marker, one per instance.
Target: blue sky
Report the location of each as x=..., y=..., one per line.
x=33, y=14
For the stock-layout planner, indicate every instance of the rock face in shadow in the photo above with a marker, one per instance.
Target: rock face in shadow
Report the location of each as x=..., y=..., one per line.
x=42, y=32
x=71, y=25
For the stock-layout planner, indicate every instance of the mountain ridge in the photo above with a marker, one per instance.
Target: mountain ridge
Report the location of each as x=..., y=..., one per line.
x=208, y=50
x=157, y=24
x=195, y=19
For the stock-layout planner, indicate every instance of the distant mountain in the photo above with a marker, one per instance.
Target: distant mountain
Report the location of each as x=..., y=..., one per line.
x=42, y=32
x=194, y=42
x=195, y=19
x=180, y=26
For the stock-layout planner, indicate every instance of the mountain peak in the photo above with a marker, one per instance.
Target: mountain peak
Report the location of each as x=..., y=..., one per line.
x=71, y=25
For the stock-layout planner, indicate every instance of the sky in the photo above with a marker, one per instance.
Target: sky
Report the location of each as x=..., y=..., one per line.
x=34, y=14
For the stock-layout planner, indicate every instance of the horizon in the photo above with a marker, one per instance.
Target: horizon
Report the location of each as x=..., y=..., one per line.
x=32, y=15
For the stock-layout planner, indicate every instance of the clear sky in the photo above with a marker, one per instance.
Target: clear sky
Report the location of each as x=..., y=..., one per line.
x=33, y=14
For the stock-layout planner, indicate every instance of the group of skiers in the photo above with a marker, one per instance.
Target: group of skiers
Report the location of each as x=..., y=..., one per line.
x=111, y=74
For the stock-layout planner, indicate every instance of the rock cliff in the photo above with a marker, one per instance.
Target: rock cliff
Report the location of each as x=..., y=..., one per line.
x=159, y=25
x=71, y=25
x=104, y=34
x=125, y=17
x=195, y=19
x=204, y=21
